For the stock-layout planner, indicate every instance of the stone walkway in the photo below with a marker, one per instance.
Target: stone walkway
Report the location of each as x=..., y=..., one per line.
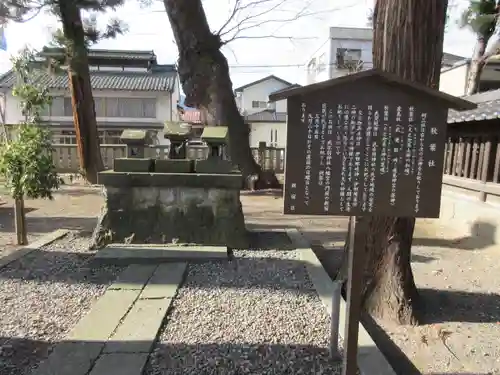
x=117, y=335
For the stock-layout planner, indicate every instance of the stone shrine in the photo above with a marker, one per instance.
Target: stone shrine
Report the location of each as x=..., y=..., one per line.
x=183, y=201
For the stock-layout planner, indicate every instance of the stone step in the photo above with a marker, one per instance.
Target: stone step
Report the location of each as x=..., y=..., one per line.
x=116, y=336
x=123, y=254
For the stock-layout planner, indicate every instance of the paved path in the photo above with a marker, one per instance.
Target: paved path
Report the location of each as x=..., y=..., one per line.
x=117, y=335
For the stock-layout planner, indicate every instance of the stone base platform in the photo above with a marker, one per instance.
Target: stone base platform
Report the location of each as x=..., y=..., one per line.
x=159, y=208
x=122, y=255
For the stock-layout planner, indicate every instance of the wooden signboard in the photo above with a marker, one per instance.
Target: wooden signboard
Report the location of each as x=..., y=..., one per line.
x=366, y=144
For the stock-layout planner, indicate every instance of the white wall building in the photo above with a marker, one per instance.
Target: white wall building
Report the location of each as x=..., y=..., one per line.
x=453, y=78
x=130, y=89
x=266, y=121
x=344, y=47
x=253, y=97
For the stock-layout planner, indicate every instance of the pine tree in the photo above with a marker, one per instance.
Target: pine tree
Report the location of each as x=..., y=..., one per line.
x=481, y=17
x=76, y=35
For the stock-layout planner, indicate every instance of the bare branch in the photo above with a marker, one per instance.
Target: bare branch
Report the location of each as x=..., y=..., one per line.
x=238, y=8
x=238, y=26
x=291, y=38
x=249, y=22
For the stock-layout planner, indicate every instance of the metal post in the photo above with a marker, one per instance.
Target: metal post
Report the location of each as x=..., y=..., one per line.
x=353, y=301
x=334, y=329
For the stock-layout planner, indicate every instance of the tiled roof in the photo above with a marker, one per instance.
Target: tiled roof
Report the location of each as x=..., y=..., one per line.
x=488, y=108
x=127, y=81
x=295, y=85
x=266, y=116
x=262, y=80
x=450, y=59
x=104, y=53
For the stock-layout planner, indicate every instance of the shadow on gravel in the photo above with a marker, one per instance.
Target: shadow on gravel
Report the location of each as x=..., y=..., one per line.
x=457, y=306
x=217, y=358
x=48, y=224
x=20, y=355
x=260, y=240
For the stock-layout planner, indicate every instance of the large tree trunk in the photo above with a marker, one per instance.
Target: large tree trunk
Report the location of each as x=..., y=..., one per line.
x=82, y=100
x=204, y=75
x=408, y=41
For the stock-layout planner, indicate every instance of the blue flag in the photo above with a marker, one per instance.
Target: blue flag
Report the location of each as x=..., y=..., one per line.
x=3, y=39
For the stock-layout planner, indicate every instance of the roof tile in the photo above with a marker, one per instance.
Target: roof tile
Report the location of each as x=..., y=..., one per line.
x=129, y=81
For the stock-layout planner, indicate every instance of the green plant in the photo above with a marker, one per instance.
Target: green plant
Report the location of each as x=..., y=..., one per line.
x=26, y=163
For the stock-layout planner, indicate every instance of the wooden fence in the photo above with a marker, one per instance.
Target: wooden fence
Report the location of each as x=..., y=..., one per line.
x=472, y=158
x=65, y=156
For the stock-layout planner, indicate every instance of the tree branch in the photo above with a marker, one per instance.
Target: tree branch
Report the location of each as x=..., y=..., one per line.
x=249, y=22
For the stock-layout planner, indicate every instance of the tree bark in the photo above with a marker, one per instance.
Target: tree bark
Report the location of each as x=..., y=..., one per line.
x=204, y=75
x=82, y=101
x=20, y=220
x=408, y=41
x=484, y=34
x=476, y=65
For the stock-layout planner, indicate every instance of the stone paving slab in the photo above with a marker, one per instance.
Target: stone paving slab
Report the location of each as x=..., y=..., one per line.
x=134, y=277
x=120, y=254
x=120, y=364
x=71, y=358
x=105, y=316
x=165, y=281
x=138, y=331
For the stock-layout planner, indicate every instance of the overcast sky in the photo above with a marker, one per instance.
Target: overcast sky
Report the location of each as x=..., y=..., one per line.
x=250, y=59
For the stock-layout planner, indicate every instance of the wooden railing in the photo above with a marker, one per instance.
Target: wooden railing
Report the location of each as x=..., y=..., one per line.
x=65, y=156
x=472, y=158
x=270, y=158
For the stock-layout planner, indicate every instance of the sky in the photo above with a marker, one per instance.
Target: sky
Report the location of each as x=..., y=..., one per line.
x=251, y=57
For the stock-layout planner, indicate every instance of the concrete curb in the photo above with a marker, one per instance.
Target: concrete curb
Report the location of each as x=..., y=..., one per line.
x=371, y=361
x=44, y=241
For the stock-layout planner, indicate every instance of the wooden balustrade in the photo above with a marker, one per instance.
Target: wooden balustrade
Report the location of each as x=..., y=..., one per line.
x=65, y=156
x=472, y=159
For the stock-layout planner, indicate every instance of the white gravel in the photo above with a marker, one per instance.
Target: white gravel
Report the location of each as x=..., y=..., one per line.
x=256, y=315
x=42, y=296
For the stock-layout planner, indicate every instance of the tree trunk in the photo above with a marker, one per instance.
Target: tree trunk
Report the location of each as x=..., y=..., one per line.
x=476, y=66
x=82, y=100
x=204, y=75
x=408, y=41
x=478, y=62
x=20, y=220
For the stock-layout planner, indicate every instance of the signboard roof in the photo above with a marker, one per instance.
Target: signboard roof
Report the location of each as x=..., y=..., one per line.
x=446, y=100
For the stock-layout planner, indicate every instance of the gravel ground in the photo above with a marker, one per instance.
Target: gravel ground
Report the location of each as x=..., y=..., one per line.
x=256, y=315
x=42, y=296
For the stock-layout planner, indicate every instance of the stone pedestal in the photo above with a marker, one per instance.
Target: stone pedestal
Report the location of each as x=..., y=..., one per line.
x=157, y=208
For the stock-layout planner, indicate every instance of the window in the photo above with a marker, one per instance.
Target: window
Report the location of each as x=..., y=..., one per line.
x=259, y=104
x=129, y=107
x=311, y=71
x=347, y=57
x=311, y=67
x=274, y=138
x=322, y=63
x=106, y=107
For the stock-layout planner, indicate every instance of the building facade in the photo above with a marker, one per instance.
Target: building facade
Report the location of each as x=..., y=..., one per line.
x=266, y=121
x=345, y=49
x=454, y=78
x=130, y=90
